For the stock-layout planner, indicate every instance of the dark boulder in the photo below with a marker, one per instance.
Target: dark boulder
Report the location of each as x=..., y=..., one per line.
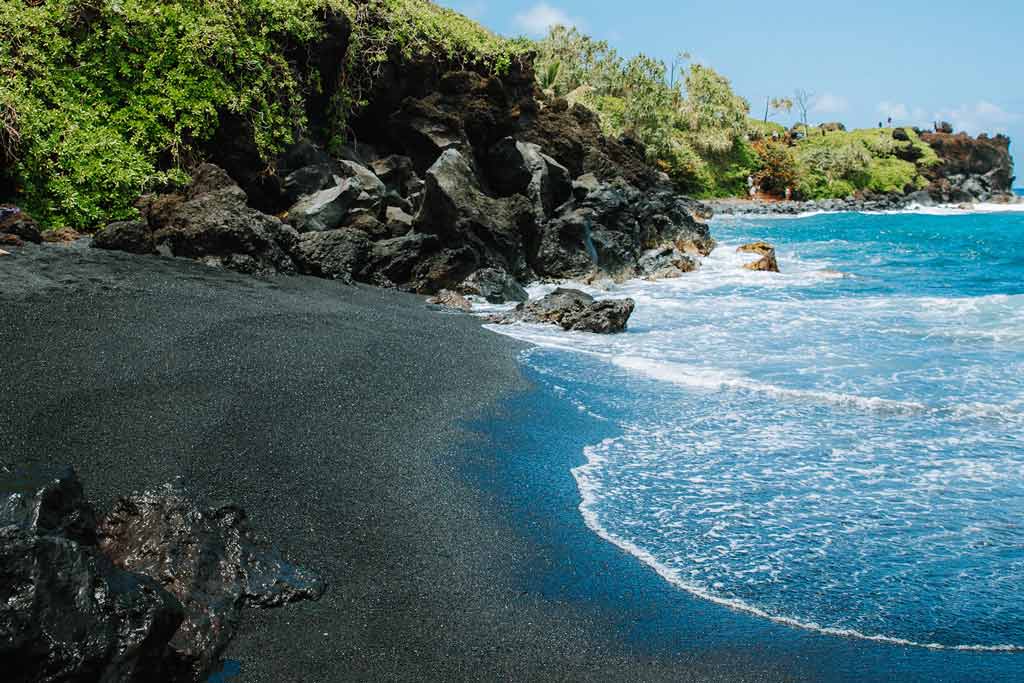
x=215, y=224
x=324, y=209
x=609, y=229
x=68, y=614
x=371, y=190
x=425, y=132
x=494, y=285
x=521, y=168
x=900, y=135
x=209, y=560
x=306, y=181
x=396, y=172
x=665, y=263
x=393, y=262
x=573, y=310
x=398, y=221
x=461, y=215
x=14, y=221
x=211, y=222
x=335, y=254
x=134, y=237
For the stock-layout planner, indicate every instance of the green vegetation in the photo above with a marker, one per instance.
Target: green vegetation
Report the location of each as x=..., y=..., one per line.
x=101, y=100
x=841, y=163
x=699, y=132
x=687, y=115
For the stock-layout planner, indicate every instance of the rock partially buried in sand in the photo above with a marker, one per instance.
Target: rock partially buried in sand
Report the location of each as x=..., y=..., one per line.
x=446, y=298
x=151, y=592
x=209, y=560
x=573, y=310
x=68, y=613
x=767, y=262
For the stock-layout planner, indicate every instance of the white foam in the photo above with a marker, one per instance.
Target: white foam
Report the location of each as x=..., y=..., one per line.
x=589, y=499
x=703, y=378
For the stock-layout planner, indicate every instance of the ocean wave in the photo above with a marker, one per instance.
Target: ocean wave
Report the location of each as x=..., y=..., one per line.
x=589, y=499
x=709, y=378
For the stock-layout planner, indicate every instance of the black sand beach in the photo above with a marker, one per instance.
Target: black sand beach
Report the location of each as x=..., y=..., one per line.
x=334, y=415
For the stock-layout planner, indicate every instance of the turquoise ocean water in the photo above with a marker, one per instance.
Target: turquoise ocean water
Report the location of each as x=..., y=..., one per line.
x=838, y=448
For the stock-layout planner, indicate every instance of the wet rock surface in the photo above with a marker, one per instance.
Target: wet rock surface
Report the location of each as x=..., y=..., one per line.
x=68, y=613
x=209, y=560
x=494, y=285
x=150, y=592
x=573, y=310
x=767, y=262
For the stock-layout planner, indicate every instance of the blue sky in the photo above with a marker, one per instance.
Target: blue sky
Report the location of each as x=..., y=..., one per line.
x=913, y=60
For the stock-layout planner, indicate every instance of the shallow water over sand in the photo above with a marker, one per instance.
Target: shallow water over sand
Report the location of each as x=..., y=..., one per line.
x=839, y=447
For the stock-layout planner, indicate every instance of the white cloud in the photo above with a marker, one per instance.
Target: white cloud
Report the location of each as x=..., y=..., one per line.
x=980, y=117
x=893, y=110
x=539, y=19
x=829, y=104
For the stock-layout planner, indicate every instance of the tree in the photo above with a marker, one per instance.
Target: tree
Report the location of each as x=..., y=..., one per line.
x=777, y=104
x=803, y=100
x=712, y=115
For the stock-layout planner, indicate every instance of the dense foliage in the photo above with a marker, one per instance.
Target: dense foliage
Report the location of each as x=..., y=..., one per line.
x=686, y=114
x=841, y=163
x=699, y=131
x=103, y=99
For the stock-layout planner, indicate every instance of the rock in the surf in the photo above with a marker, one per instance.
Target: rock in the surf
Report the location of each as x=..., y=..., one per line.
x=573, y=310
x=767, y=262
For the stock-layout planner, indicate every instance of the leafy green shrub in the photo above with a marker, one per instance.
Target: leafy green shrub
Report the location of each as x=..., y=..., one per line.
x=101, y=100
x=113, y=96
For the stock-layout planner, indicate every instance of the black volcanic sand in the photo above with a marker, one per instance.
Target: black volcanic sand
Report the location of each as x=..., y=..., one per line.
x=336, y=416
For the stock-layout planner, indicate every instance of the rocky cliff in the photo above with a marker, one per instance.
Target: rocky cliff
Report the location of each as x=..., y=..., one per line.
x=450, y=172
x=970, y=169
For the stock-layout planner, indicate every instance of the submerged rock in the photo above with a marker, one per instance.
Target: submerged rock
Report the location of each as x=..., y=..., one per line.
x=573, y=310
x=767, y=262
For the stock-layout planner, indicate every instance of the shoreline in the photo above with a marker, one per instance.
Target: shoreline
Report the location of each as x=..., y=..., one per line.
x=343, y=420
x=885, y=204
x=441, y=509
x=652, y=613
